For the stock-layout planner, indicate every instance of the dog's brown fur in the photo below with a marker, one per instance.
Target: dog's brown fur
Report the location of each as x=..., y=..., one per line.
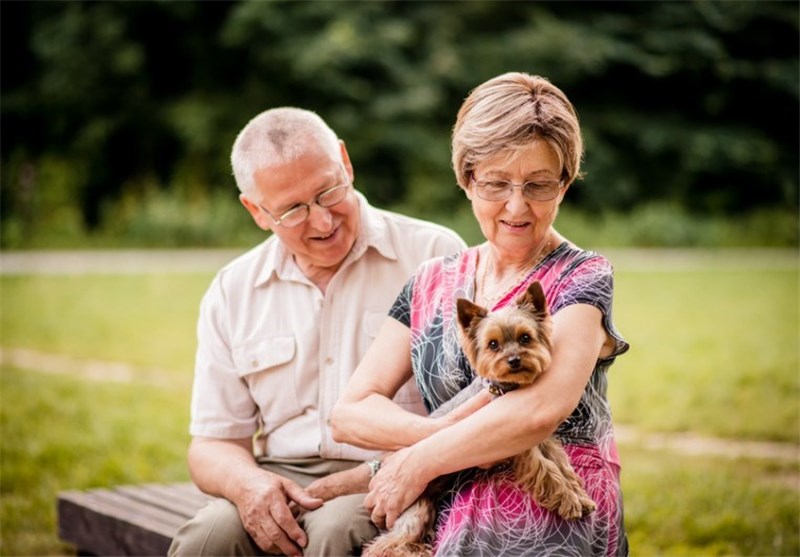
x=511, y=347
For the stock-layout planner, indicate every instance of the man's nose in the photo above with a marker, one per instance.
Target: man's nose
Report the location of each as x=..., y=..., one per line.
x=320, y=217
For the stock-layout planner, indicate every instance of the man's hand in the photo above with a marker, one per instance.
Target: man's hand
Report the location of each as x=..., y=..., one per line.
x=264, y=511
x=346, y=482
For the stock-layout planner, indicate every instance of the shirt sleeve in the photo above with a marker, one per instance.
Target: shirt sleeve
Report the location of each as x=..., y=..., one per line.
x=222, y=406
x=401, y=308
x=590, y=280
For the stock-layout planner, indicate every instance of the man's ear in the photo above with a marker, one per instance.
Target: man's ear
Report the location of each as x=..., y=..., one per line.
x=346, y=161
x=261, y=219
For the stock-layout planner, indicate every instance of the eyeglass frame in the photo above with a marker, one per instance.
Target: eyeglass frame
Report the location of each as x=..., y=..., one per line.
x=307, y=206
x=480, y=184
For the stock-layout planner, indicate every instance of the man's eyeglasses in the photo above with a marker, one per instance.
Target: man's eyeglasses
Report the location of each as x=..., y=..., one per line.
x=298, y=214
x=499, y=190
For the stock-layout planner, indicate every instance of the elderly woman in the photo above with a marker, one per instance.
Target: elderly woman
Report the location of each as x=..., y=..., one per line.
x=517, y=148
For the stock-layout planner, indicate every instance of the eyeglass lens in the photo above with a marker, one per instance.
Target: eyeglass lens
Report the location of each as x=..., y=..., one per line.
x=328, y=198
x=537, y=191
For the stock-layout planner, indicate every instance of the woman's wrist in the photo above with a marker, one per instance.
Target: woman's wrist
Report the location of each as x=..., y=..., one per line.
x=426, y=461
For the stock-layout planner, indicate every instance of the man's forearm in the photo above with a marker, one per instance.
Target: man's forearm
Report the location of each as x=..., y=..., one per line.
x=221, y=467
x=346, y=482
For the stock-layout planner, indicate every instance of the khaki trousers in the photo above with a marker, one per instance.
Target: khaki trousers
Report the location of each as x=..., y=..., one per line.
x=337, y=529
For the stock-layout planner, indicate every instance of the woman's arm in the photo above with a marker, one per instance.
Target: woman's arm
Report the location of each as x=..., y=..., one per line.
x=366, y=416
x=511, y=424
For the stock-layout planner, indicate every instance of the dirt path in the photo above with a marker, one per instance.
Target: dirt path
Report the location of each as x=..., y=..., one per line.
x=119, y=372
x=92, y=370
x=115, y=261
x=210, y=260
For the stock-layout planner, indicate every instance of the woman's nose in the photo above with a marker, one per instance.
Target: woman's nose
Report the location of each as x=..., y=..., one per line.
x=516, y=204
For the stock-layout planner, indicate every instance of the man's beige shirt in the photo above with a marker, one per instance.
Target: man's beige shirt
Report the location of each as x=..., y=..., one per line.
x=274, y=352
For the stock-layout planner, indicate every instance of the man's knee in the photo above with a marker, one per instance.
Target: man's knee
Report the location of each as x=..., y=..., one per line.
x=216, y=529
x=339, y=528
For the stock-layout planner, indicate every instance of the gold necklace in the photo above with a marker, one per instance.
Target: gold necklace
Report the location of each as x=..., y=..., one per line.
x=490, y=297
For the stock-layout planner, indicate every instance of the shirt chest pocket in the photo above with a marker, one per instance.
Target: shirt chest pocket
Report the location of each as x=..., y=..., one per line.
x=267, y=365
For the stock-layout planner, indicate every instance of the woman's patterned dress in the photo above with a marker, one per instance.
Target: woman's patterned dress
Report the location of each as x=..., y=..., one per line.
x=485, y=513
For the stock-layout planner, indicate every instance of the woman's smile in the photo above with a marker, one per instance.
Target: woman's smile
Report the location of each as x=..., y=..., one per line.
x=515, y=225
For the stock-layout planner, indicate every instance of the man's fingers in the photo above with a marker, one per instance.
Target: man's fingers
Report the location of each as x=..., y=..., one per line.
x=302, y=497
x=272, y=536
x=286, y=522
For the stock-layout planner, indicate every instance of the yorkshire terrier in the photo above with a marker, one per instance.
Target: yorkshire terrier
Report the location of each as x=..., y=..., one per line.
x=507, y=349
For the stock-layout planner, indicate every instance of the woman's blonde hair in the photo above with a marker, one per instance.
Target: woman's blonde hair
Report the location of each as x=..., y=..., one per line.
x=507, y=113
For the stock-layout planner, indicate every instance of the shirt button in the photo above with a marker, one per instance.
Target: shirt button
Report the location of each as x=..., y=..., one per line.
x=254, y=363
x=329, y=361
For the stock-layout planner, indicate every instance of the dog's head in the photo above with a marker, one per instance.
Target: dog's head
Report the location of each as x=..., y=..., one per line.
x=512, y=344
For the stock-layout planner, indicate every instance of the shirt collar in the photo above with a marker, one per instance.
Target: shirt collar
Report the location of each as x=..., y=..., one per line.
x=374, y=232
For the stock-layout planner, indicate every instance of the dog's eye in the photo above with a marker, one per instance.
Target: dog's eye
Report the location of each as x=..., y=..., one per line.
x=494, y=345
x=524, y=339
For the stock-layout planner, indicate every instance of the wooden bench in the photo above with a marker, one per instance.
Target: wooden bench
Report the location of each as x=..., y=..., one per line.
x=126, y=520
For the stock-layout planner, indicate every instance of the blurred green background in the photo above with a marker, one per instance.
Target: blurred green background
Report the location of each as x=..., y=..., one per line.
x=117, y=120
x=118, y=117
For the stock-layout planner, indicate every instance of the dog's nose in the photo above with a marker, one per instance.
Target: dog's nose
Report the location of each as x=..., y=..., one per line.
x=513, y=362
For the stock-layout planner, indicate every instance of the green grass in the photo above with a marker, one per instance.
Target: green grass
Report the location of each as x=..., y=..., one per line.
x=713, y=351
x=59, y=433
x=675, y=505
x=145, y=320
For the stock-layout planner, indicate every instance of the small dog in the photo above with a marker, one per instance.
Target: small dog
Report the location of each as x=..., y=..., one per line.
x=507, y=349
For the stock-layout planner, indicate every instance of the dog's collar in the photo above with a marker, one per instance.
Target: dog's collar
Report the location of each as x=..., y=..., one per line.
x=498, y=388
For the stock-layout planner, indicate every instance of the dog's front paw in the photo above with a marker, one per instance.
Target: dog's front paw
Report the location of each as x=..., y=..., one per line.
x=587, y=504
x=395, y=547
x=575, y=505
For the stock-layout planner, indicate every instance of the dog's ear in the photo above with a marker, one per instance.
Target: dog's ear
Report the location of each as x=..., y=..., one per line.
x=468, y=312
x=534, y=298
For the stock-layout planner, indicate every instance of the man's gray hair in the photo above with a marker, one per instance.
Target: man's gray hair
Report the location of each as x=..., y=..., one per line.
x=277, y=136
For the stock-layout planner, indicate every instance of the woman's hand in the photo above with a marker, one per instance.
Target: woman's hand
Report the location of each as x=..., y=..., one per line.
x=394, y=488
x=467, y=408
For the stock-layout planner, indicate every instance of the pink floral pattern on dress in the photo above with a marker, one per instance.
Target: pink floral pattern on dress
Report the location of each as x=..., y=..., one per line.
x=484, y=513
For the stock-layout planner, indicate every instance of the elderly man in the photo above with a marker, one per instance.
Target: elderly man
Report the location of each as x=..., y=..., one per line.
x=280, y=331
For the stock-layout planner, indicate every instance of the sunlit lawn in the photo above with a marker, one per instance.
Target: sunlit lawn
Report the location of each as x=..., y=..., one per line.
x=713, y=352
x=61, y=433
x=145, y=320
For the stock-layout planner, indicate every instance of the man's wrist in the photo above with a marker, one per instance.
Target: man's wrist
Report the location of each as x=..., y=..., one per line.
x=373, y=465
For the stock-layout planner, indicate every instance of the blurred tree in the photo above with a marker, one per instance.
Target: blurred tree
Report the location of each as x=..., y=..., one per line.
x=694, y=104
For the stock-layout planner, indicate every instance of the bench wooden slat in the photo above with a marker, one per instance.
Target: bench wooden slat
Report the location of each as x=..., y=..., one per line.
x=157, y=499
x=187, y=493
x=127, y=520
